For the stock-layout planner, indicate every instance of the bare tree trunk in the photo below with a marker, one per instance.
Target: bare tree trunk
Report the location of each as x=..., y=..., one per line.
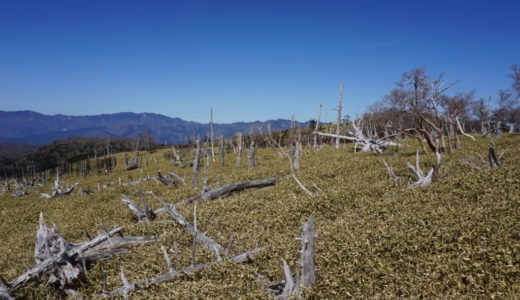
x=196, y=165
x=221, y=142
x=240, y=149
x=252, y=155
x=211, y=132
x=340, y=107
x=317, y=127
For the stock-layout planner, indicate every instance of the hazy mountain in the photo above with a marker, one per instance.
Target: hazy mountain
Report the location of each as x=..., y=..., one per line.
x=34, y=128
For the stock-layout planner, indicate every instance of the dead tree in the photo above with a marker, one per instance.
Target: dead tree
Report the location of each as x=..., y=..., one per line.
x=306, y=275
x=201, y=237
x=176, y=158
x=480, y=164
x=57, y=190
x=339, y=109
x=222, y=149
x=211, y=132
x=172, y=273
x=170, y=179
x=64, y=263
x=316, y=128
x=368, y=144
x=462, y=130
x=422, y=179
x=239, y=148
x=196, y=165
x=227, y=189
x=144, y=213
x=251, y=158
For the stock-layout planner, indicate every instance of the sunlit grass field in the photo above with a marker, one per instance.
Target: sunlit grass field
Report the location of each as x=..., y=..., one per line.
x=459, y=237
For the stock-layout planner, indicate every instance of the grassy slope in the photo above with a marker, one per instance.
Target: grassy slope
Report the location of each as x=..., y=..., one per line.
x=457, y=237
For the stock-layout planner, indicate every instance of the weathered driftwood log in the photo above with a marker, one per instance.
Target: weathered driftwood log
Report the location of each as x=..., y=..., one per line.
x=201, y=237
x=173, y=273
x=422, y=179
x=306, y=275
x=227, y=189
x=63, y=262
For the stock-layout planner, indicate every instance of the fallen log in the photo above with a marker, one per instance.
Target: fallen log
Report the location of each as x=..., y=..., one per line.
x=172, y=273
x=65, y=263
x=227, y=189
x=201, y=237
x=64, y=256
x=57, y=190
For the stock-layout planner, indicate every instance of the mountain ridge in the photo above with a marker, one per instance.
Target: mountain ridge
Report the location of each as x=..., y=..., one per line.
x=35, y=128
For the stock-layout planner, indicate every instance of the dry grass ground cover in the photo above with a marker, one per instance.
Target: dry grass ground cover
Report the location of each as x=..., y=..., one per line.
x=457, y=237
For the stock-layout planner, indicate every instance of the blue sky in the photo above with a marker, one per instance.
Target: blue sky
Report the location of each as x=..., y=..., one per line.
x=249, y=60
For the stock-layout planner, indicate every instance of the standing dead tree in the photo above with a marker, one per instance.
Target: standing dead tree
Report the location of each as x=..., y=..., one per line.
x=339, y=109
x=240, y=146
x=221, y=150
x=251, y=157
x=196, y=165
x=291, y=287
x=177, y=161
x=211, y=132
x=316, y=129
x=480, y=164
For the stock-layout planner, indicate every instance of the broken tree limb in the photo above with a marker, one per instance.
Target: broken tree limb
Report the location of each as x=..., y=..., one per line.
x=135, y=182
x=240, y=258
x=201, y=237
x=367, y=144
x=422, y=179
x=67, y=255
x=57, y=190
x=462, y=130
x=494, y=161
x=227, y=189
x=390, y=171
x=144, y=213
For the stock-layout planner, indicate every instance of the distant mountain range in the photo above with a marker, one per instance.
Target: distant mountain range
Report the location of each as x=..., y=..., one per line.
x=37, y=129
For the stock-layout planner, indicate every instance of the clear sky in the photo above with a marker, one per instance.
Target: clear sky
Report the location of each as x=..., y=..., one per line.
x=249, y=60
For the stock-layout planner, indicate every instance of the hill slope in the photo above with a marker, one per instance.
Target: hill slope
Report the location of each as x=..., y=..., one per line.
x=457, y=238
